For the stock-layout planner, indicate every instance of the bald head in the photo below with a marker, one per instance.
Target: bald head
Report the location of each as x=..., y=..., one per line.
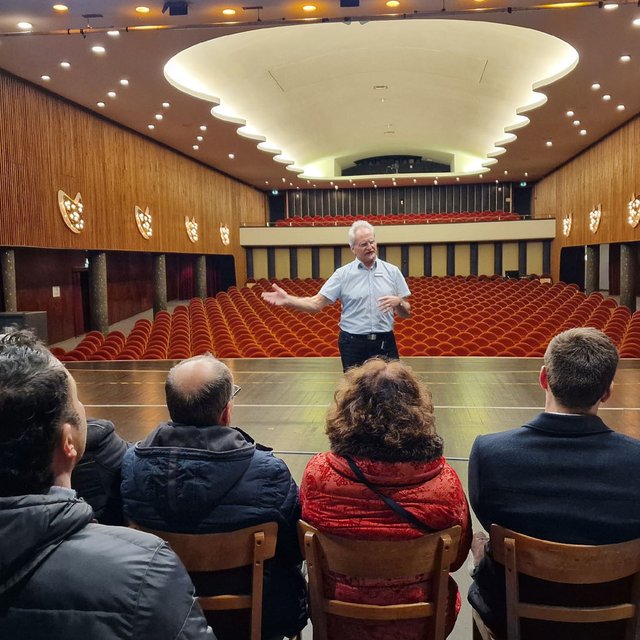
x=198, y=391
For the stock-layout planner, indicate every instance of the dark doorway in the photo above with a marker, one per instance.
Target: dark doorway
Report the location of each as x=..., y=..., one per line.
x=80, y=293
x=572, y=266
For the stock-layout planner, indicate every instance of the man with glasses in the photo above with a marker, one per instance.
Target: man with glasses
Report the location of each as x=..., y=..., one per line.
x=371, y=291
x=198, y=474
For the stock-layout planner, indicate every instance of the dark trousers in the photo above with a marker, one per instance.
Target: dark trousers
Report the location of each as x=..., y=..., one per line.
x=356, y=349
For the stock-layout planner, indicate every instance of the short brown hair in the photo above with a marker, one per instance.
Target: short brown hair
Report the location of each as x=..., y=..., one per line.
x=381, y=411
x=580, y=364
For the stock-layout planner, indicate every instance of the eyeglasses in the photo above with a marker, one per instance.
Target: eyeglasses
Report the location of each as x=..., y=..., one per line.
x=236, y=390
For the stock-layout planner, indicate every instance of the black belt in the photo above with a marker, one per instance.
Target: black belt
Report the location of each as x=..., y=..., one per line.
x=369, y=336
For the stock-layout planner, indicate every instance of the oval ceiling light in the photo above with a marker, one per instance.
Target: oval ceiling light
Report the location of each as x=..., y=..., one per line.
x=114, y=33
x=620, y=107
x=232, y=156
x=158, y=116
x=166, y=105
x=549, y=143
x=99, y=50
x=199, y=138
x=142, y=9
x=229, y=12
x=111, y=94
x=583, y=132
x=25, y=26
x=195, y=147
x=606, y=97
x=576, y=123
x=151, y=126
x=570, y=114
x=309, y=8
x=203, y=127
x=595, y=86
x=393, y=3
x=65, y=65
x=610, y=6
x=636, y=22
x=45, y=78
x=102, y=105
x=124, y=82
x=60, y=7
x=625, y=58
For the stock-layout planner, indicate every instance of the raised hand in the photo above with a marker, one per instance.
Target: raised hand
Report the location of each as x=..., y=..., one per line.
x=278, y=296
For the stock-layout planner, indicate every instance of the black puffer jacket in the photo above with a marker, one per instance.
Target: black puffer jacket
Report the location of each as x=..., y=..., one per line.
x=62, y=576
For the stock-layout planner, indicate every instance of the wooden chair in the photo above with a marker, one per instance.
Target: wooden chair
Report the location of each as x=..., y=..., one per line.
x=431, y=555
x=211, y=552
x=568, y=564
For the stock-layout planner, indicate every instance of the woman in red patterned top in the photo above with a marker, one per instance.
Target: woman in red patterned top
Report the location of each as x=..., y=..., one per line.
x=382, y=419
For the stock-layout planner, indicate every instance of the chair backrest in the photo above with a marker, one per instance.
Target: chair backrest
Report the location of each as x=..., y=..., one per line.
x=569, y=564
x=211, y=552
x=431, y=555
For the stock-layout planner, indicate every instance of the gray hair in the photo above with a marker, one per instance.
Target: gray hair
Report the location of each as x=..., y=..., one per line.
x=359, y=224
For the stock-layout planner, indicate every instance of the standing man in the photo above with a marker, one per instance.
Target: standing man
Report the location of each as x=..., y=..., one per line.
x=564, y=475
x=371, y=290
x=61, y=575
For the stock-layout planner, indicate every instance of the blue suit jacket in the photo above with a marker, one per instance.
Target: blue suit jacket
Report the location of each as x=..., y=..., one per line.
x=567, y=478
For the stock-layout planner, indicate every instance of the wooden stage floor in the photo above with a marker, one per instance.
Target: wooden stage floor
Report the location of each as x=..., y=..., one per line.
x=283, y=404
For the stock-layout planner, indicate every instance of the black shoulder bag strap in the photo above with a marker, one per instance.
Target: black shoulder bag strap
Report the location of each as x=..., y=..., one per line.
x=390, y=502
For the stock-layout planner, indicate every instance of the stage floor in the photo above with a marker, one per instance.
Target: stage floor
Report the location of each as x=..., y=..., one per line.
x=283, y=404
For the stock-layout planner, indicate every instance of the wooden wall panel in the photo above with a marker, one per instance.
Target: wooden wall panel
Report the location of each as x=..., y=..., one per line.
x=37, y=271
x=114, y=170
x=129, y=284
x=534, y=257
x=607, y=174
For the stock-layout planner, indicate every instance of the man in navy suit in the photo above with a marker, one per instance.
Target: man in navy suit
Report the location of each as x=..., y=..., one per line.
x=563, y=476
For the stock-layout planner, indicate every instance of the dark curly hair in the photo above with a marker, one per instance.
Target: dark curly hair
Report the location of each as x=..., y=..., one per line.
x=34, y=402
x=381, y=411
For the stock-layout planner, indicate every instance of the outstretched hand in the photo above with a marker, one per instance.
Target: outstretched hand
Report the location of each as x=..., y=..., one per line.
x=278, y=296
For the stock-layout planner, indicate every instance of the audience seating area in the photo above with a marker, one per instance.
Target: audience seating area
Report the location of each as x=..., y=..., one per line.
x=398, y=218
x=451, y=316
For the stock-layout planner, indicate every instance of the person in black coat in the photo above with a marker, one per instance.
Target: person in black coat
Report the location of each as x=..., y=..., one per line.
x=564, y=476
x=96, y=478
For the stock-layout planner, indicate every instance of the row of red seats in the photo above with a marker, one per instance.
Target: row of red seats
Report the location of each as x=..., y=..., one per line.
x=397, y=218
x=453, y=316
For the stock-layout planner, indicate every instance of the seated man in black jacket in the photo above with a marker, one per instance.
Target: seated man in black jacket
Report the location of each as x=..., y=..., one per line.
x=198, y=474
x=564, y=476
x=96, y=478
x=61, y=576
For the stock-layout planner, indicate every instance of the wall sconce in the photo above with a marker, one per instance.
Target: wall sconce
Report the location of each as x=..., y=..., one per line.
x=595, y=216
x=566, y=224
x=192, y=228
x=144, y=220
x=634, y=211
x=71, y=211
x=224, y=234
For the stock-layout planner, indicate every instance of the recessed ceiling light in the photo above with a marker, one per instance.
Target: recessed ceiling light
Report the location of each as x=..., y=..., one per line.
x=636, y=22
x=284, y=179
x=151, y=126
x=142, y=9
x=25, y=26
x=114, y=33
x=576, y=123
x=60, y=7
x=267, y=182
x=414, y=180
x=435, y=181
x=111, y=94
x=393, y=3
x=65, y=65
x=102, y=105
x=457, y=179
x=124, y=82
x=232, y=156
x=549, y=143
x=195, y=147
x=98, y=49
x=158, y=116
x=606, y=97
x=506, y=173
x=481, y=176
x=610, y=6
x=165, y=105
x=199, y=138
x=335, y=187
x=229, y=12
x=595, y=86
x=570, y=114
x=625, y=58
x=203, y=127
x=45, y=78
x=583, y=132
x=309, y=8
x=620, y=107
x=526, y=173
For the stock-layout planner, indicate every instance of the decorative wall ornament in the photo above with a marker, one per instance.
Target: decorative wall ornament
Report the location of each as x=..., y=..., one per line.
x=71, y=211
x=594, y=218
x=192, y=228
x=634, y=211
x=566, y=224
x=144, y=220
x=224, y=234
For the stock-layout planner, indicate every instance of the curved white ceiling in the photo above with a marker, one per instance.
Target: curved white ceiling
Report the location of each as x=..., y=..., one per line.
x=307, y=93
